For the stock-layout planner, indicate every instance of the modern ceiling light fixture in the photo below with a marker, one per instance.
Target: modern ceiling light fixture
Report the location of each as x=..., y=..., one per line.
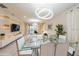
x=44, y=13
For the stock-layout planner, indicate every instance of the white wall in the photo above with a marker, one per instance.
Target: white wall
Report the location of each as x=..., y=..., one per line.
x=59, y=19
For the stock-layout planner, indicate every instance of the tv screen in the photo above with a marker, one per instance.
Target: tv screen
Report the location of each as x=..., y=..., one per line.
x=15, y=27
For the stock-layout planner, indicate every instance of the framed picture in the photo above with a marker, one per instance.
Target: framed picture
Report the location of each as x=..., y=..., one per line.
x=49, y=27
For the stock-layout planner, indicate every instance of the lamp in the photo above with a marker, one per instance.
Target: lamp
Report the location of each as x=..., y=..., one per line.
x=44, y=13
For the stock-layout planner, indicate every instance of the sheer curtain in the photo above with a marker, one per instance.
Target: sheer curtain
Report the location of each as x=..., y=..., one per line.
x=73, y=24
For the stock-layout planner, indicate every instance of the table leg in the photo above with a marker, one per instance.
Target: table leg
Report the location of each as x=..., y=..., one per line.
x=35, y=52
x=55, y=49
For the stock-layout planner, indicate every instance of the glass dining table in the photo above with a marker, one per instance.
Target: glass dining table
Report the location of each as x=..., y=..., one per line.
x=35, y=45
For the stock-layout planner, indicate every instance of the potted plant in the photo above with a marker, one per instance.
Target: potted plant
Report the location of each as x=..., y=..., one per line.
x=60, y=32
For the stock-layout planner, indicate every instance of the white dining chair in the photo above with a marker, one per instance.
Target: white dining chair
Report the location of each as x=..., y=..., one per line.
x=61, y=49
x=76, y=52
x=23, y=50
x=47, y=49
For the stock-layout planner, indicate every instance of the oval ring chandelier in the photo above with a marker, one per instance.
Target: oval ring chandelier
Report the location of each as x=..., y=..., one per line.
x=44, y=13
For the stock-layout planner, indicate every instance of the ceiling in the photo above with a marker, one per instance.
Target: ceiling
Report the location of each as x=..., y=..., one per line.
x=26, y=11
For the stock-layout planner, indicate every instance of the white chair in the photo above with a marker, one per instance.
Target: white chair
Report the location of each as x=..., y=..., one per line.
x=62, y=38
x=77, y=51
x=23, y=51
x=47, y=49
x=71, y=51
x=61, y=49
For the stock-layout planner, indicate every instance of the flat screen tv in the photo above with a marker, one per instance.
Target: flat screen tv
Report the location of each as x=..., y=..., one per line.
x=15, y=27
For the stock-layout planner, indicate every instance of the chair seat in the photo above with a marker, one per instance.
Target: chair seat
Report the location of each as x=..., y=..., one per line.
x=25, y=48
x=29, y=52
x=25, y=51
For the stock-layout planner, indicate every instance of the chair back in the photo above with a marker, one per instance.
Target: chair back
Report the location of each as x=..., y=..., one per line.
x=61, y=49
x=20, y=43
x=47, y=49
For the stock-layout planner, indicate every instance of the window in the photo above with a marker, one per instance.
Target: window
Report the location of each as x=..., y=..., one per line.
x=32, y=28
